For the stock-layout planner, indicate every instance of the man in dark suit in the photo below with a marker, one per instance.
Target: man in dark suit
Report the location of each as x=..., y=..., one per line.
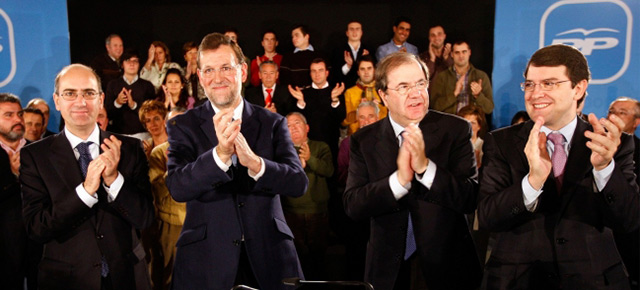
x=85, y=193
x=555, y=187
x=274, y=99
x=345, y=59
x=415, y=194
x=230, y=161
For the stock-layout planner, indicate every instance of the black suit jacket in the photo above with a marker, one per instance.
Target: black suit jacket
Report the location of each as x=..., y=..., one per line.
x=280, y=97
x=337, y=62
x=76, y=236
x=445, y=248
x=567, y=241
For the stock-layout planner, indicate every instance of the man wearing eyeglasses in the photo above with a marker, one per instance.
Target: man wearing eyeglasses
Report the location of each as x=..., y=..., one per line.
x=86, y=194
x=413, y=175
x=554, y=188
x=230, y=161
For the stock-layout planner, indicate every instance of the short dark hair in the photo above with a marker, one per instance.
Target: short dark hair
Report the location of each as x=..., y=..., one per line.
x=214, y=40
x=393, y=61
x=319, y=60
x=128, y=54
x=475, y=111
x=354, y=21
x=303, y=28
x=33, y=110
x=520, y=115
x=563, y=55
x=461, y=42
x=9, y=98
x=401, y=19
x=270, y=31
x=268, y=62
x=365, y=58
x=189, y=45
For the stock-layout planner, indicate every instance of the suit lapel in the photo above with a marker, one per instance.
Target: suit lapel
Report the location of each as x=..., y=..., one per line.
x=429, y=126
x=578, y=164
x=387, y=146
x=64, y=161
x=250, y=127
x=206, y=115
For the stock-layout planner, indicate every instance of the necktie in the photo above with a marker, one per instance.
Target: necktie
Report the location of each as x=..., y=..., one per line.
x=85, y=156
x=410, y=242
x=267, y=101
x=559, y=157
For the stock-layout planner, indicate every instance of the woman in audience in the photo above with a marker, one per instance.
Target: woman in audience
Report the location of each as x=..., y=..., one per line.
x=475, y=116
x=158, y=62
x=152, y=116
x=174, y=91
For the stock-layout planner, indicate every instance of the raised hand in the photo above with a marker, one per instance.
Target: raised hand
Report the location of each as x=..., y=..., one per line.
x=415, y=145
x=226, y=132
x=94, y=172
x=604, y=143
x=459, y=86
x=246, y=157
x=110, y=157
x=348, y=59
x=298, y=95
x=122, y=97
x=446, y=53
x=336, y=92
x=537, y=155
x=476, y=88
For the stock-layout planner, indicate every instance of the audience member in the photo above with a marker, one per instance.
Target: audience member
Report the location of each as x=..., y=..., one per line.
x=233, y=34
x=33, y=124
x=173, y=92
x=274, y=99
x=190, y=52
x=125, y=95
x=461, y=85
x=438, y=55
x=401, y=31
x=86, y=209
x=158, y=62
x=269, y=44
x=294, y=69
x=103, y=119
x=107, y=65
x=152, y=116
x=42, y=105
x=348, y=55
x=520, y=117
x=476, y=118
x=363, y=91
x=553, y=207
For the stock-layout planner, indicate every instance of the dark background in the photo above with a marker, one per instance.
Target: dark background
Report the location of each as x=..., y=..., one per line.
x=176, y=22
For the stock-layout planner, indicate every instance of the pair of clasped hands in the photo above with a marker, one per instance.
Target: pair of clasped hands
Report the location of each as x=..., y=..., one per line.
x=604, y=141
x=105, y=166
x=411, y=155
x=231, y=141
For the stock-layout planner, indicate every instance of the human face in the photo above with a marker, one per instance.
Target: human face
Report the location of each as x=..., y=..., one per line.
x=80, y=114
x=269, y=42
x=461, y=54
x=232, y=35
x=268, y=75
x=299, y=40
x=437, y=37
x=191, y=55
x=558, y=106
x=174, y=84
x=160, y=56
x=115, y=47
x=33, y=127
x=297, y=129
x=319, y=74
x=367, y=116
x=102, y=119
x=44, y=108
x=401, y=32
x=154, y=122
x=366, y=72
x=11, y=122
x=625, y=110
x=131, y=66
x=412, y=107
x=354, y=31
x=223, y=90
x=475, y=124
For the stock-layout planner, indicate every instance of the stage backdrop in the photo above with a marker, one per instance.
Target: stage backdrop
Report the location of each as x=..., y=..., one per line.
x=34, y=46
x=606, y=32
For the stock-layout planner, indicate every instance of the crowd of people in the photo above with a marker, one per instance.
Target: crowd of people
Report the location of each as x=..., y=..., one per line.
x=234, y=170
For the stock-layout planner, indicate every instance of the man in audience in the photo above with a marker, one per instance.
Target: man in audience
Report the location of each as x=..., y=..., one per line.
x=33, y=124
x=233, y=34
x=42, y=105
x=294, y=69
x=554, y=188
x=308, y=215
x=86, y=194
x=461, y=85
x=125, y=95
x=438, y=55
x=103, y=119
x=413, y=175
x=347, y=56
x=107, y=65
x=322, y=106
x=274, y=99
x=401, y=31
x=269, y=44
x=363, y=91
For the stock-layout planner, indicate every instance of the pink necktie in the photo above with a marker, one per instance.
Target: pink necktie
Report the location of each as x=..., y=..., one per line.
x=559, y=156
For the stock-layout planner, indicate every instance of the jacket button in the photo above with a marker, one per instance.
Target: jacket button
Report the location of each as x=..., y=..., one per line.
x=610, y=198
x=236, y=242
x=561, y=241
x=240, y=204
x=99, y=237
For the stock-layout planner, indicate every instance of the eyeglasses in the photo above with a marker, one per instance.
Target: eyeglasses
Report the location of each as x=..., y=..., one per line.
x=225, y=70
x=622, y=113
x=529, y=86
x=73, y=95
x=406, y=89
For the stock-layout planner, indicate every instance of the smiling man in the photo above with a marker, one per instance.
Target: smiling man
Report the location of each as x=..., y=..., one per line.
x=415, y=194
x=401, y=32
x=554, y=188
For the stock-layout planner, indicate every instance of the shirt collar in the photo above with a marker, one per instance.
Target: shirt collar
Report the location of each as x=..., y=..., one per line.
x=237, y=111
x=127, y=81
x=397, y=128
x=75, y=140
x=326, y=85
x=8, y=148
x=566, y=131
x=310, y=47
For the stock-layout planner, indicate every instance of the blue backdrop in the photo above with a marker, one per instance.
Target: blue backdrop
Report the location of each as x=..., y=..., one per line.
x=34, y=46
x=602, y=30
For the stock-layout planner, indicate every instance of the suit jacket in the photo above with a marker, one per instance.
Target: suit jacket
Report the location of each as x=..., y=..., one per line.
x=225, y=208
x=337, y=62
x=280, y=97
x=567, y=240
x=75, y=236
x=445, y=249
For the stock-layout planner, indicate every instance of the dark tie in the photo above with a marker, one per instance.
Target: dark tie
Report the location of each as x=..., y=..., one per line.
x=85, y=156
x=410, y=244
x=559, y=157
x=267, y=100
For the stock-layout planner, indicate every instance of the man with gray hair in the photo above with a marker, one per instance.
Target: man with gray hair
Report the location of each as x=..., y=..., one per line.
x=107, y=65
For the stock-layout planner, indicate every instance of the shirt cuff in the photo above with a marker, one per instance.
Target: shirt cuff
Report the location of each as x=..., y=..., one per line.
x=602, y=177
x=114, y=189
x=115, y=104
x=223, y=166
x=530, y=194
x=89, y=200
x=398, y=189
x=301, y=107
x=260, y=173
x=428, y=176
x=336, y=104
x=135, y=105
x=345, y=69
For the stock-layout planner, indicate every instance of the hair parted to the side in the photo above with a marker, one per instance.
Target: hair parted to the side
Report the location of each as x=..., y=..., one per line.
x=392, y=61
x=214, y=40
